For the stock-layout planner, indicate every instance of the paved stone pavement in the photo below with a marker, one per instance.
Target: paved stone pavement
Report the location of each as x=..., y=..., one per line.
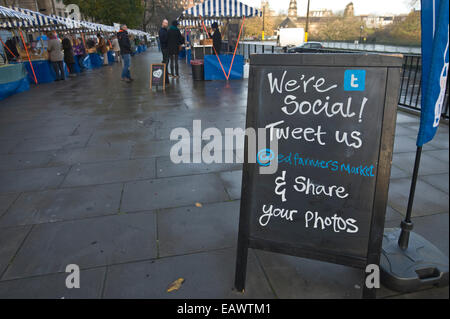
x=86, y=179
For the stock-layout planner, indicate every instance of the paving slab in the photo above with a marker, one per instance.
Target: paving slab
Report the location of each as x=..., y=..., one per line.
x=393, y=216
x=88, y=243
x=439, y=181
x=161, y=193
x=428, y=199
x=399, y=173
x=208, y=275
x=110, y=172
x=100, y=153
x=121, y=136
x=54, y=286
x=35, y=179
x=6, y=146
x=233, y=183
x=166, y=168
x=404, y=130
x=5, y=201
x=25, y=160
x=441, y=141
x=51, y=143
x=442, y=155
x=299, y=278
x=158, y=148
x=405, y=144
x=63, y=204
x=403, y=117
x=192, y=229
x=429, y=165
x=10, y=241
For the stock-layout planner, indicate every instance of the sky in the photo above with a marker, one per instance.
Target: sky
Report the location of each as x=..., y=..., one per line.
x=379, y=7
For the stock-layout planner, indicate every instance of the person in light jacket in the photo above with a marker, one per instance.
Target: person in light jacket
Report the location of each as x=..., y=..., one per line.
x=116, y=48
x=56, y=56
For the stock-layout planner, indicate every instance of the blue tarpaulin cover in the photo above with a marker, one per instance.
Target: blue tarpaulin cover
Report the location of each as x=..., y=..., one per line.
x=43, y=70
x=213, y=70
x=93, y=61
x=13, y=80
x=110, y=57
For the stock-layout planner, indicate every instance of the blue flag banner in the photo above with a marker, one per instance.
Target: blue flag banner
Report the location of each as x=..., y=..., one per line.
x=435, y=59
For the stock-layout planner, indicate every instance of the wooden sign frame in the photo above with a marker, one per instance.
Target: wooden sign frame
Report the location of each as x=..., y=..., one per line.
x=245, y=239
x=164, y=74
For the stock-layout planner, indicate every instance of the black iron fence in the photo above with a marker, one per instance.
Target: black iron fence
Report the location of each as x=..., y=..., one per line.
x=411, y=81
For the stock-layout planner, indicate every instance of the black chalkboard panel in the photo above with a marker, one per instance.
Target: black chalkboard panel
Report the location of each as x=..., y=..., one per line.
x=158, y=75
x=334, y=118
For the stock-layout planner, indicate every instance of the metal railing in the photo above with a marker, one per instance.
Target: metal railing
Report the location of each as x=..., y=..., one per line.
x=411, y=80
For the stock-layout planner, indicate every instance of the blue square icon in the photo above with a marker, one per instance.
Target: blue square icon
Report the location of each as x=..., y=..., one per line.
x=355, y=80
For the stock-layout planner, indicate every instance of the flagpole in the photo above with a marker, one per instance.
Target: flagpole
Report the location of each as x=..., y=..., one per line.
x=407, y=225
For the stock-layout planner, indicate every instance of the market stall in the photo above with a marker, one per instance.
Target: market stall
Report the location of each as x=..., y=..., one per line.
x=13, y=80
x=28, y=46
x=13, y=77
x=33, y=56
x=217, y=66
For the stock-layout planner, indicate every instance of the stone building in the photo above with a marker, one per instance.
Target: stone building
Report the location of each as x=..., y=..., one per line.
x=292, y=11
x=47, y=7
x=349, y=10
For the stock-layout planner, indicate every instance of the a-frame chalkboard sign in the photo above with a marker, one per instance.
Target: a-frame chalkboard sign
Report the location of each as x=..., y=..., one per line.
x=334, y=117
x=158, y=75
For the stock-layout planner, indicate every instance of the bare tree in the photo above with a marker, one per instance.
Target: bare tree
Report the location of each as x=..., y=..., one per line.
x=157, y=10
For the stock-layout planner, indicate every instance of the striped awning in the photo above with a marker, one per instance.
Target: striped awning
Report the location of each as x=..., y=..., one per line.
x=13, y=14
x=221, y=9
x=31, y=20
x=38, y=19
x=69, y=23
x=198, y=23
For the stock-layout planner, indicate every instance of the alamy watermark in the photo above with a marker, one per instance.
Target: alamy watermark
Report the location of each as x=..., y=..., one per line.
x=220, y=149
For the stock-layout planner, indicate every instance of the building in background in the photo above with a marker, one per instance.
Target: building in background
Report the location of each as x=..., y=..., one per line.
x=186, y=4
x=320, y=13
x=47, y=7
x=292, y=11
x=349, y=10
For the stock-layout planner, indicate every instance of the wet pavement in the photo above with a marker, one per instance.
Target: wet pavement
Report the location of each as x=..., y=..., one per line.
x=86, y=179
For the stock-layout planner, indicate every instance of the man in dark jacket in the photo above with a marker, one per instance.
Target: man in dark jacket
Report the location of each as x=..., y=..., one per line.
x=174, y=41
x=216, y=37
x=163, y=37
x=125, y=52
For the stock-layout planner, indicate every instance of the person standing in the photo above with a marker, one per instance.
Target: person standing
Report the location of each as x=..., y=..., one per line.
x=102, y=48
x=174, y=41
x=163, y=36
x=216, y=37
x=68, y=56
x=56, y=57
x=125, y=52
x=116, y=48
x=80, y=53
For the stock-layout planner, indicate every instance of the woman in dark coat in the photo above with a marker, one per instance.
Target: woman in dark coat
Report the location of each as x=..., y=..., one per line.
x=174, y=41
x=68, y=55
x=216, y=37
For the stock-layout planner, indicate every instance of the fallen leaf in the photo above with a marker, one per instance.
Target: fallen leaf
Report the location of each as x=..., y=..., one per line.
x=198, y=205
x=175, y=285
